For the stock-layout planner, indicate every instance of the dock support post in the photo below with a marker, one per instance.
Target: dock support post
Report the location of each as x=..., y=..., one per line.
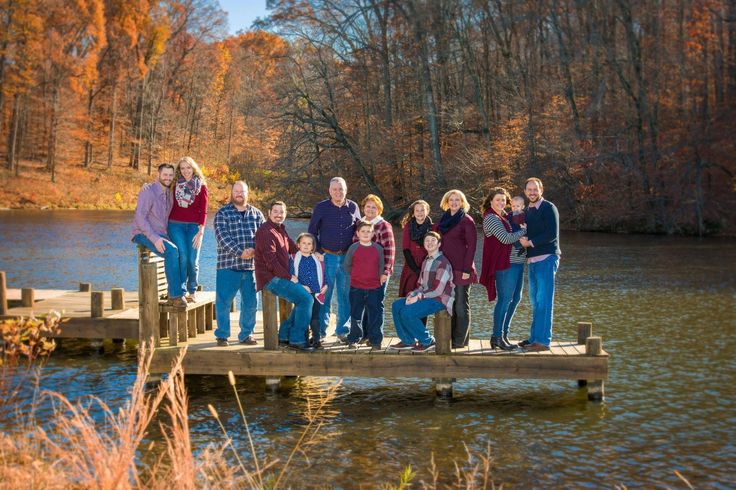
x=443, y=387
x=594, y=347
x=272, y=384
x=443, y=333
x=117, y=298
x=284, y=309
x=85, y=287
x=27, y=297
x=97, y=304
x=3, y=294
x=148, y=314
x=270, y=321
x=585, y=330
x=271, y=333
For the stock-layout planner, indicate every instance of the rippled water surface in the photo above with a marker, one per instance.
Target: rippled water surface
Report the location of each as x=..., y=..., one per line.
x=665, y=306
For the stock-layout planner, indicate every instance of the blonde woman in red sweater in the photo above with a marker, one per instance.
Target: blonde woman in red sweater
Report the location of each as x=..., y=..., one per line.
x=187, y=219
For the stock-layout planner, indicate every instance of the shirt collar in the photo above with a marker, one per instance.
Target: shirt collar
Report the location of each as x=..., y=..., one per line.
x=377, y=220
x=537, y=204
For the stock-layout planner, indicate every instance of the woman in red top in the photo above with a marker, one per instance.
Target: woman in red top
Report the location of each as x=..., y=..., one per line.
x=187, y=220
x=459, y=241
x=415, y=224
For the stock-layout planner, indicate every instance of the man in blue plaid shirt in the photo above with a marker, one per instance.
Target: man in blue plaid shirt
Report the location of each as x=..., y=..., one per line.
x=236, y=224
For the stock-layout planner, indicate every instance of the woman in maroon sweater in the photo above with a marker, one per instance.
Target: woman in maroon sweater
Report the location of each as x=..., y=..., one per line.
x=187, y=220
x=415, y=224
x=458, y=245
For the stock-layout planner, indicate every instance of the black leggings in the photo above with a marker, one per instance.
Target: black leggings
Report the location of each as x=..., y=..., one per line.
x=461, y=317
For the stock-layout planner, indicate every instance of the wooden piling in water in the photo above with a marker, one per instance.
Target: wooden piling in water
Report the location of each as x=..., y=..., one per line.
x=443, y=333
x=97, y=304
x=270, y=321
x=117, y=296
x=443, y=387
x=148, y=313
x=85, y=287
x=3, y=294
x=594, y=347
x=27, y=297
x=585, y=330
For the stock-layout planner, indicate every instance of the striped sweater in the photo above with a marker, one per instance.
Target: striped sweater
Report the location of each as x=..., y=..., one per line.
x=492, y=226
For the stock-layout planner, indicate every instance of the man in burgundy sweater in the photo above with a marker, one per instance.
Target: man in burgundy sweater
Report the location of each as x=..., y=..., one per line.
x=273, y=247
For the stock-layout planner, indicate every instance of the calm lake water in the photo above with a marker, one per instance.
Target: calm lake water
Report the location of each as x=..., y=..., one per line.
x=665, y=307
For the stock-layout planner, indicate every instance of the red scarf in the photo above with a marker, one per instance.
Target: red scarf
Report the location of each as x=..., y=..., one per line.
x=495, y=257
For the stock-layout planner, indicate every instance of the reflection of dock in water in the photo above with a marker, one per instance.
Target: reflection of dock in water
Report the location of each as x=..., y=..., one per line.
x=141, y=315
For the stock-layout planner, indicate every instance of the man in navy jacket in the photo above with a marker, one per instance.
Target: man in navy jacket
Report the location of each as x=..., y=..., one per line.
x=542, y=245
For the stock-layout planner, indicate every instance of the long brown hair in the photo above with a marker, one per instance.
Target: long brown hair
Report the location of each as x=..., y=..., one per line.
x=493, y=193
x=410, y=211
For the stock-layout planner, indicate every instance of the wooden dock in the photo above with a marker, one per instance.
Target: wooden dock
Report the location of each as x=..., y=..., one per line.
x=118, y=314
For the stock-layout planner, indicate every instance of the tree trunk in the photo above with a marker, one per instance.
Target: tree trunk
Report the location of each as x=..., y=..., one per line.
x=420, y=37
x=13, y=134
x=51, y=151
x=88, y=129
x=113, y=117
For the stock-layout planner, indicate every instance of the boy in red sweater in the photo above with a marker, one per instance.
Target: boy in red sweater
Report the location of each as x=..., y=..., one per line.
x=364, y=265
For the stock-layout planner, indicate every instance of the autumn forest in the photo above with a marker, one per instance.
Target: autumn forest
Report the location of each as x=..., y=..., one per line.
x=625, y=109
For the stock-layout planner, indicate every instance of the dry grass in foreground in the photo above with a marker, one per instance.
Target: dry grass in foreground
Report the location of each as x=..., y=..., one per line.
x=78, y=448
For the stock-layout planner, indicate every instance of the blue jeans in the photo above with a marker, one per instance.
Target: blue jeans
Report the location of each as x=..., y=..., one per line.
x=227, y=284
x=366, y=315
x=509, y=283
x=337, y=282
x=408, y=319
x=298, y=322
x=171, y=263
x=314, y=325
x=542, y=296
x=182, y=235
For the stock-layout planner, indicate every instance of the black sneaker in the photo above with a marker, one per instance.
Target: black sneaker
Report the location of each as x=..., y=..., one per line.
x=222, y=343
x=524, y=343
x=376, y=347
x=343, y=339
x=283, y=343
x=317, y=345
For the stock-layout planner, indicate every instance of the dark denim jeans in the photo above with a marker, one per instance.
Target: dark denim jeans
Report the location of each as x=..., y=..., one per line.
x=295, y=327
x=338, y=283
x=542, y=296
x=171, y=263
x=408, y=319
x=182, y=235
x=509, y=284
x=228, y=283
x=368, y=302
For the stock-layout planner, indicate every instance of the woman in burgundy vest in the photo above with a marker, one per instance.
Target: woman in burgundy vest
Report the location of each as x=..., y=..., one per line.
x=502, y=272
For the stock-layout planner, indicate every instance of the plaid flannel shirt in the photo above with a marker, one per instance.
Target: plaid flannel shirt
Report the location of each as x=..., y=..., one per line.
x=383, y=234
x=235, y=233
x=435, y=281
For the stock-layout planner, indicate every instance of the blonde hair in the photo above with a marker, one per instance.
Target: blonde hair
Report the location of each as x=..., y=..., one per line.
x=410, y=212
x=375, y=199
x=444, y=204
x=193, y=164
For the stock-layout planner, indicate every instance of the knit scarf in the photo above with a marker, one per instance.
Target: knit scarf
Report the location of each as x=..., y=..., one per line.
x=187, y=190
x=495, y=257
x=417, y=231
x=448, y=220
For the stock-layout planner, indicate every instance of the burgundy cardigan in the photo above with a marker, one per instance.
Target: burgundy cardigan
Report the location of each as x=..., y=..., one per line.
x=458, y=245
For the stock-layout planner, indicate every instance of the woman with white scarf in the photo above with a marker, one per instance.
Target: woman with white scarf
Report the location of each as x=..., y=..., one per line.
x=187, y=220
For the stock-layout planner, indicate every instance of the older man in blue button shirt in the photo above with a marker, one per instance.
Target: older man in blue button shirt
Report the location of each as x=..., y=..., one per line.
x=333, y=223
